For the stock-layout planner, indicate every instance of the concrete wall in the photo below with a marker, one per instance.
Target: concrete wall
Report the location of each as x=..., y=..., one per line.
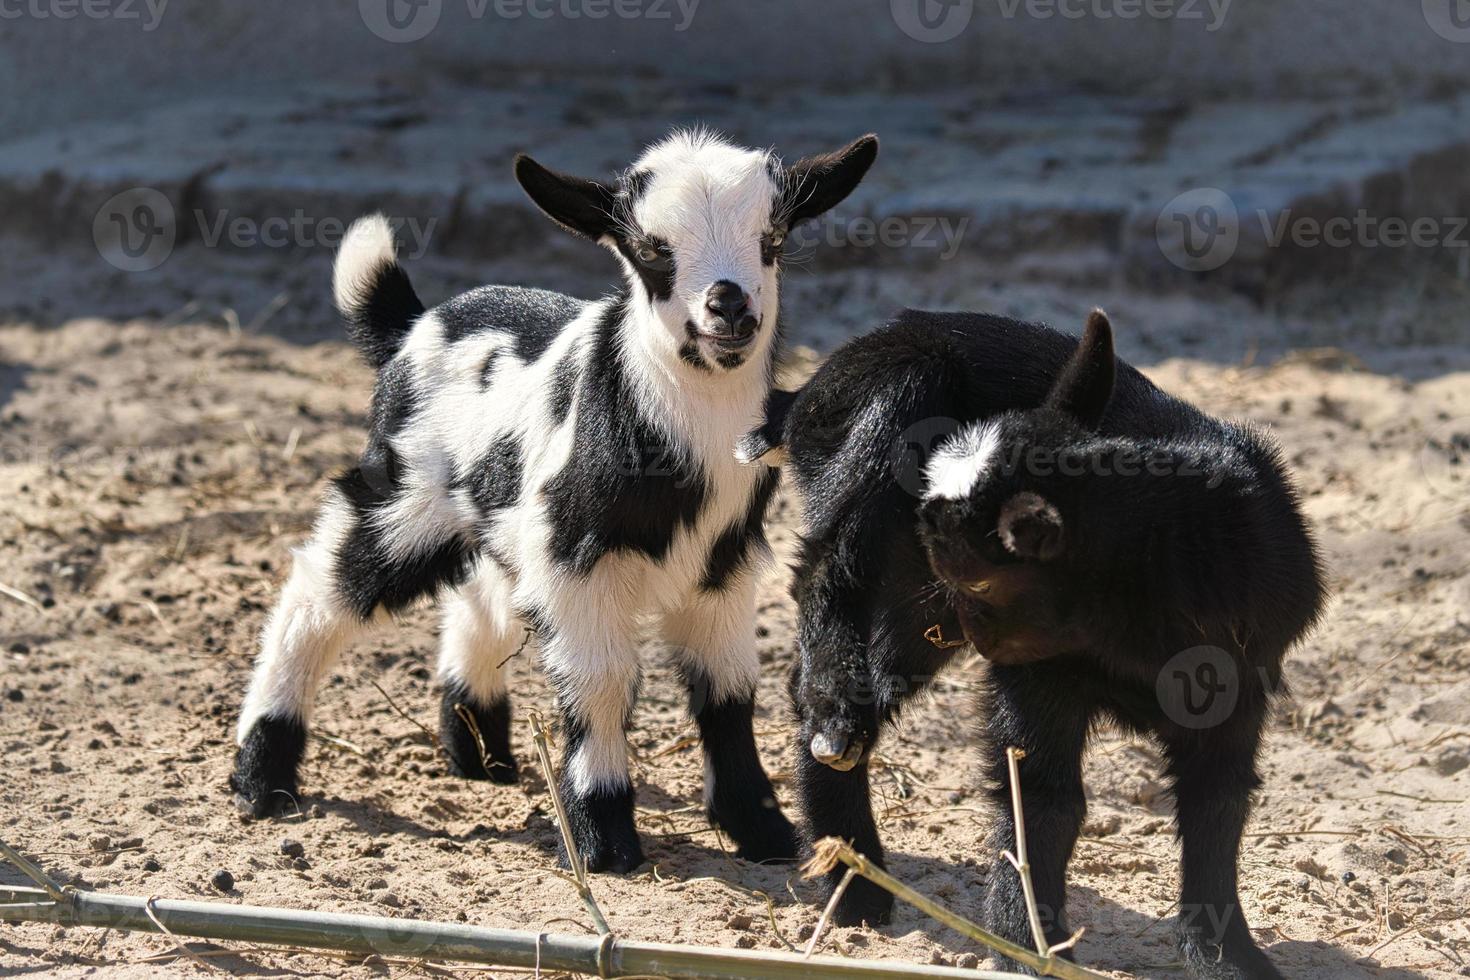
x=111, y=57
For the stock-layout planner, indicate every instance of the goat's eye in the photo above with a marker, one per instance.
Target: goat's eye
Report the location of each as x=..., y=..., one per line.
x=648, y=255
x=776, y=238
x=978, y=588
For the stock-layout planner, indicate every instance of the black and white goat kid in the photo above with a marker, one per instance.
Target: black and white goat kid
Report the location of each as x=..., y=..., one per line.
x=1111, y=551
x=565, y=467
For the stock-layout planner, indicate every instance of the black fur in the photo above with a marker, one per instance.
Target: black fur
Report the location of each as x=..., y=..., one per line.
x=601, y=822
x=494, y=482
x=731, y=551
x=463, y=749
x=563, y=388
x=1081, y=574
x=624, y=488
x=737, y=792
x=379, y=326
x=265, y=770
x=534, y=316
x=367, y=577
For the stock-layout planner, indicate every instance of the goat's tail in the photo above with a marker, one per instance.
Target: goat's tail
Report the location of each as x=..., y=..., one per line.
x=372, y=290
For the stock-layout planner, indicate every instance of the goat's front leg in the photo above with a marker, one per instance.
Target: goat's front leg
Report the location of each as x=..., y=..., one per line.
x=1214, y=773
x=713, y=636
x=1035, y=709
x=834, y=697
x=832, y=683
x=589, y=650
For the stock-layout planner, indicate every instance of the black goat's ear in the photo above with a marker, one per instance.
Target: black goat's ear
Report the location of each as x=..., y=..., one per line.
x=816, y=184
x=581, y=206
x=1031, y=528
x=1085, y=385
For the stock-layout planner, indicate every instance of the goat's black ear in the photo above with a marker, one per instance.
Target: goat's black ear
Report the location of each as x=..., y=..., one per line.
x=1085, y=385
x=581, y=206
x=817, y=184
x=1031, y=528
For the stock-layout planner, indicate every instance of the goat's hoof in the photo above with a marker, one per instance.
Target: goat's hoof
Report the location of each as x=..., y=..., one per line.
x=772, y=839
x=264, y=779
x=617, y=857
x=1241, y=959
x=864, y=903
x=837, y=751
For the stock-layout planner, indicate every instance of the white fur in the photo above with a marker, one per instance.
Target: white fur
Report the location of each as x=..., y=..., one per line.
x=366, y=247
x=962, y=461
x=306, y=630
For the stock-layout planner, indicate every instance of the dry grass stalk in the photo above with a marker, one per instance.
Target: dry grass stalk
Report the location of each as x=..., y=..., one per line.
x=1022, y=863
x=837, y=893
x=574, y=856
x=831, y=850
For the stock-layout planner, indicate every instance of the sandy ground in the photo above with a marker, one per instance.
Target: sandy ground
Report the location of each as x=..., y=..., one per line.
x=154, y=474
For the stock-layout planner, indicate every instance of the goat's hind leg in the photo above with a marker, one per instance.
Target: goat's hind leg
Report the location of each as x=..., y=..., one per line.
x=305, y=633
x=479, y=636
x=349, y=572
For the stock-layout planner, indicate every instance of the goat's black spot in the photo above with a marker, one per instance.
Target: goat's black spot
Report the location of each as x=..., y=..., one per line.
x=487, y=370
x=494, y=481
x=737, y=793
x=367, y=576
x=690, y=355
x=624, y=487
x=657, y=281
x=534, y=316
x=731, y=550
x=563, y=387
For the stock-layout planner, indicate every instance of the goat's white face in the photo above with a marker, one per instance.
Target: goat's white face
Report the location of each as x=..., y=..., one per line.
x=698, y=225
x=702, y=234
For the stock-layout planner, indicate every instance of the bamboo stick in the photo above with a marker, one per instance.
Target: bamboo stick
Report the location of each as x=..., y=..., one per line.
x=605, y=956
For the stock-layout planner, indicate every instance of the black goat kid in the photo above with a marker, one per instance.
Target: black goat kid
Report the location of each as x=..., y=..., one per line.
x=1113, y=553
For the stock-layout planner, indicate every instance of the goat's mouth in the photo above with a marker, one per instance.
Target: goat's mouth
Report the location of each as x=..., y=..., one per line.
x=725, y=337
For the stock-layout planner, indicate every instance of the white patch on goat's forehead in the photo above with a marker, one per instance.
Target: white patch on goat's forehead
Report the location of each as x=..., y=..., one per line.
x=960, y=462
x=697, y=184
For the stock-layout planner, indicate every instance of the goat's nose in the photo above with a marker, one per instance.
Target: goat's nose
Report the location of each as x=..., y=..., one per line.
x=727, y=301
